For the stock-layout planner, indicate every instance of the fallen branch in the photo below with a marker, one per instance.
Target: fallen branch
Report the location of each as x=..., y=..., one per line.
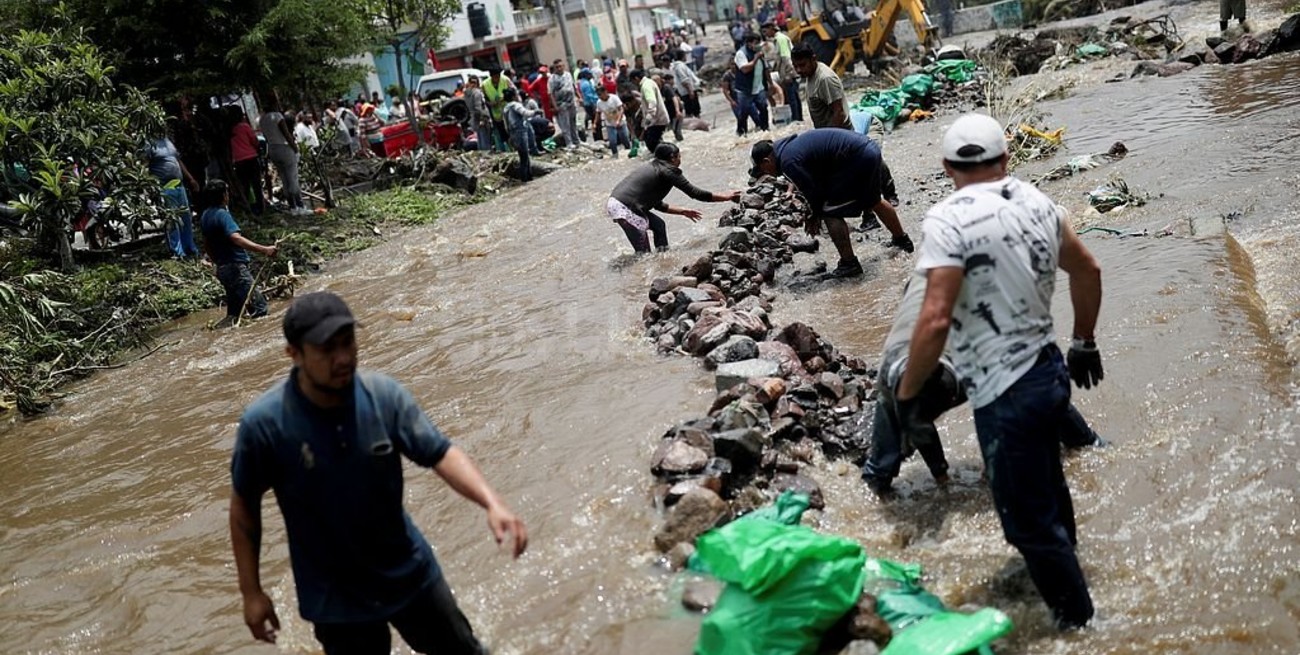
x=105, y=367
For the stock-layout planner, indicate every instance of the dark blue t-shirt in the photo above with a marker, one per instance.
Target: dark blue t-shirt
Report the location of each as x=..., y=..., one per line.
x=217, y=226
x=832, y=167
x=337, y=477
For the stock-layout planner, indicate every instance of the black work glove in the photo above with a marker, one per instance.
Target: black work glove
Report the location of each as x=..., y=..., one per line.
x=1084, y=362
x=918, y=429
x=903, y=242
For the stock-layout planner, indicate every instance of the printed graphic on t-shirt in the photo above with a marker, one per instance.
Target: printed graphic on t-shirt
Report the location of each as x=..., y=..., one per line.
x=1005, y=236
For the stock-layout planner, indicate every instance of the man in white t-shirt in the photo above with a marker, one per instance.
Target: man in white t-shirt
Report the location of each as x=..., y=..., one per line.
x=990, y=254
x=611, y=116
x=305, y=130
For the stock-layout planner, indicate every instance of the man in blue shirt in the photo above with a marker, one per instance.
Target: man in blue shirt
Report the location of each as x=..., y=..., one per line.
x=228, y=250
x=840, y=173
x=329, y=441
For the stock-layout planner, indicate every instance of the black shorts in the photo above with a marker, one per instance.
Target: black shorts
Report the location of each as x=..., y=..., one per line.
x=431, y=623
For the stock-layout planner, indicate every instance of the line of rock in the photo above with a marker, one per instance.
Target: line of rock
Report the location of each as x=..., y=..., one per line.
x=782, y=392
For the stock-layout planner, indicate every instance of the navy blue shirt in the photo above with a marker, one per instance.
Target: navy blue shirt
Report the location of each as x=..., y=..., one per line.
x=217, y=226
x=833, y=168
x=337, y=477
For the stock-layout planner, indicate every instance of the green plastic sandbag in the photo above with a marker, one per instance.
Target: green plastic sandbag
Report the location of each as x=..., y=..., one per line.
x=786, y=584
x=956, y=71
x=921, y=623
x=917, y=86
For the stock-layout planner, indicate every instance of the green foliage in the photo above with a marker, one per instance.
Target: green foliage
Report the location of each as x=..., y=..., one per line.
x=56, y=327
x=67, y=133
x=300, y=45
x=404, y=205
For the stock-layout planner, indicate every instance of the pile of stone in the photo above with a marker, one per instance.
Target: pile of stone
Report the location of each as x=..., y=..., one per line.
x=1153, y=43
x=1231, y=47
x=783, y=392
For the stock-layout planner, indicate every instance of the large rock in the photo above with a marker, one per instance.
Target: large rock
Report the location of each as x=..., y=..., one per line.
x=700, y=269
x=737, y=239
x=698, y=511
x=1288, y=36
x=800, y=484
x=688, y=295
x=865, y=623
x=456, y=173
x=678, y=457
x=662, y=285
x=737, y=347
x=752, y=201
x=1248, y=47
x=831, y=384
x=784, y=355
x=743, y=447
x=803, y=339
x=733, y=373
x=707, y=333
x=701, y=595
x=802, y=243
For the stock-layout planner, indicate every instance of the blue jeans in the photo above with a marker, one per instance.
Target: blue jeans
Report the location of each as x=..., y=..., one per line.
x=180, y=229
x=524, y=140
x=483, y=135
x=751, y=105
x=238, y=283
x=888, y=451
x=791, y=91
x=615, y=135
x=887, y=448
x=1020, y=439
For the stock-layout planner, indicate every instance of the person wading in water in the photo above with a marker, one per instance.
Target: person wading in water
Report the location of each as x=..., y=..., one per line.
x=645, y=188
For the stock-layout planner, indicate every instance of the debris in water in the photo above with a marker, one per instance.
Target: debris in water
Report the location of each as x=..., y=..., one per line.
x=1113, y=195
x=1085, y=163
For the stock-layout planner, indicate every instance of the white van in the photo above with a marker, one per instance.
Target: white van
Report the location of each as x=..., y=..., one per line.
x=443, y=83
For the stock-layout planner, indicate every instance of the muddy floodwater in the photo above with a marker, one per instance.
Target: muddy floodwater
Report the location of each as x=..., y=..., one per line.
x=516, y=324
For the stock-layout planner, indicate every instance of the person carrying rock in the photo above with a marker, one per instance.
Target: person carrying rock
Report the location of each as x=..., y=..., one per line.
x=644, y=189
x=990, y=253
x=329, y=441
x=840, y=173
x=941, y=392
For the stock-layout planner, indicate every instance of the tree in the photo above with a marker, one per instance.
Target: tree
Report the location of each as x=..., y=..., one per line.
x=414, y=25
x=69, y=134
x=302, y=45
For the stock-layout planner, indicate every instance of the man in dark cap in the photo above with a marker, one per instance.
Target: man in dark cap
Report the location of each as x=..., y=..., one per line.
x=329, y=440
x=840, y=173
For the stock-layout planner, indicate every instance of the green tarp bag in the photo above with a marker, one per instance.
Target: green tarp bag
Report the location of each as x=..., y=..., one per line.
x=917, y=86
x=921, y=623
x=956, y=71
x=786, y=584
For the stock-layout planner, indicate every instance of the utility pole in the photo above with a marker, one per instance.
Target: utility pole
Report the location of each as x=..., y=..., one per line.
x=613, y=24
x=564, y=32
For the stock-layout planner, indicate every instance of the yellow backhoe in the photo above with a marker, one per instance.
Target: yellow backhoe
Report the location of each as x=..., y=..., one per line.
x=840, y=34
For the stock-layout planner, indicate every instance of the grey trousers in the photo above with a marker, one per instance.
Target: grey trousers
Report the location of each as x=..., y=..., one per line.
x=285, y=159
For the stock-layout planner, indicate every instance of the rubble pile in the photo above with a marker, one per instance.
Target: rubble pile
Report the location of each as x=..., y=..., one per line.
x=1058, y=48
x=783, y=392
x=1155, y=44
x=1232, y=47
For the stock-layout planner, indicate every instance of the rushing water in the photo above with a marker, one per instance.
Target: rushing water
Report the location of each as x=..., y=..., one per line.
x=515, y=323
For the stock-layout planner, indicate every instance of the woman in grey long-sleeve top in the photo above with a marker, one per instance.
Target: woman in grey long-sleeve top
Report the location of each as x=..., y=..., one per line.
x=643, y=190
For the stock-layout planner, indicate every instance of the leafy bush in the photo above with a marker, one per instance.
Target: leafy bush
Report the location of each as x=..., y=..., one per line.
x=69, y=135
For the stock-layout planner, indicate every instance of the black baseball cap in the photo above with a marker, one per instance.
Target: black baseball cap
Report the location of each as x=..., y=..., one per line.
x=316, y=317
x=761, y=150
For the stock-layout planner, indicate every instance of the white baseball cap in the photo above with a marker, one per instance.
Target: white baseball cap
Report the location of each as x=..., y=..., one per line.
x=973, y=139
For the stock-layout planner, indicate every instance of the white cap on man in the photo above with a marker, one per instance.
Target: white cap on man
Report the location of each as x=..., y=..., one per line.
x=974, y=139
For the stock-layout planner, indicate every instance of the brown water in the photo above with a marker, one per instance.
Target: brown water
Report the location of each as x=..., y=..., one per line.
x=516, y=325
